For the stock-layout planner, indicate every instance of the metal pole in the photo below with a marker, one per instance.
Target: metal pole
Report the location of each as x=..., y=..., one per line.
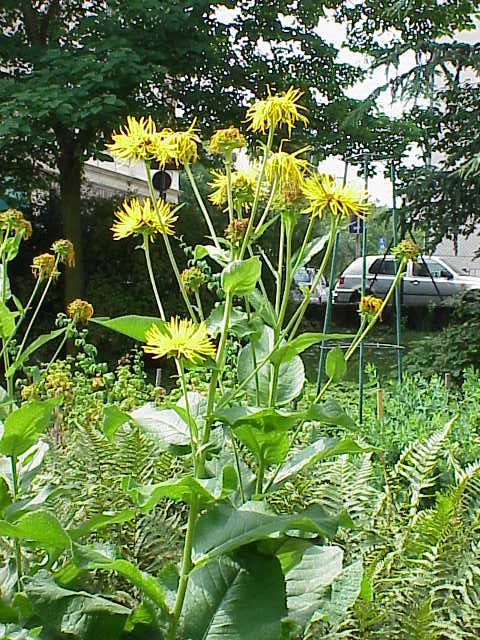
x=364, y=287
x=328, y=310
x=398, y=290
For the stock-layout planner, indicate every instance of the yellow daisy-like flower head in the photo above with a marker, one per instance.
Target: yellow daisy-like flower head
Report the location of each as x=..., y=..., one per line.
x=226, y=140
x=134, y=140
x=276, y=110
x=176, y=147
x=137, y=217
x=406, y=249
x=44, y=266
x=287, y=169
x=324, y=192
x=80, y=311
x=369, y=306
x=65, y=251
x=243, y=185
x=181, y=339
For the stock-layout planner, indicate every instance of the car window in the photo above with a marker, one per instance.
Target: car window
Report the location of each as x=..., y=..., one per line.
x=427, y=269
x=383, y=266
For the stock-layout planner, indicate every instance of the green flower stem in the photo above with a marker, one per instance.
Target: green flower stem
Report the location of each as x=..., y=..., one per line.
x=301, y=253
x=267, y=208
x=22, y=315
x=219, y=364
x=202, y=206
x=258, y=191
x=260, y=478
x=254, y=357
x=237, y=464
x=260, y=281
x=60, y=346
x=199, y=305
x=296, y=319
x=173, y=262
x=146, y=251
x=185, y=569
x=18, y=548
x=39, y=305
x=228, y=175
x=279, y=273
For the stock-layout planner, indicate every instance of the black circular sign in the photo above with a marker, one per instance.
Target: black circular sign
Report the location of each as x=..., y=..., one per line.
x=161, y=180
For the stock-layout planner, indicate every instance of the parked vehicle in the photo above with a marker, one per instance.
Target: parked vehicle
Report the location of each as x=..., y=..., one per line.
x=303, y=278
x=429, y=280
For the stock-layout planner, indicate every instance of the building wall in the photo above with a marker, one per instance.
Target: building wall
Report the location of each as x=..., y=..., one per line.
x=462, y=255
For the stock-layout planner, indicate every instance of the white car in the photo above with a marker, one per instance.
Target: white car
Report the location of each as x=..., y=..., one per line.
x=428, y=280
x=303, y=278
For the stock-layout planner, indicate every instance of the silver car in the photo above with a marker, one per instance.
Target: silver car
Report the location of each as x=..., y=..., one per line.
x=303, y=278
x=429, y=280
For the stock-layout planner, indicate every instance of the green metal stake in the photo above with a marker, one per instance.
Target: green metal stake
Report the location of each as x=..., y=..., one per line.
x=398, y=290
x=328, y=310
x=364, y=287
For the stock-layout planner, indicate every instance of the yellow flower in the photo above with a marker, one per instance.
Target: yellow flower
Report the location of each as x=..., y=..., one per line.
x=80, y=311
x=137, y=217
x=225, y=140
x=65, y=251
x=181, y=339
x=243, y=185
x=406, y=249
x=369, y=306
x=276, y=110
x=325, y=192
x=134, y=140
x=287, y=169
x=44, y=266
x=176, y=147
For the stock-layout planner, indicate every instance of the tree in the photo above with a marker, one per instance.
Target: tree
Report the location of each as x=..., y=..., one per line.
x=71, y=71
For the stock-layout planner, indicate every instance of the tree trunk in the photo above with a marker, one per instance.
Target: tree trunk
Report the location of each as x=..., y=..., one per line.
x=70, y=167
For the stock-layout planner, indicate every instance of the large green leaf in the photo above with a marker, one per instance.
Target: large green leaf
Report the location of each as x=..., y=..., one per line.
x=224, y=529
x=329, y=412
x=39, y=526
x=113, y=419
x=268, y=447
x=268, y=419
x=220, y=256
x=132, y=326
x=291, y=374
x=241, y=276
x=306, y=582
x=319, y=450
x=99, y=557
x=75, y=613
x=5, y=497
x=7, y=321
x=180, y=489
x=335, y=364
x=99, y=521
x=263, y=307
x=24, y=425
x=289, y=350
x=343, y=594
x=36, y=344
x=235, y=599
x=164, y=426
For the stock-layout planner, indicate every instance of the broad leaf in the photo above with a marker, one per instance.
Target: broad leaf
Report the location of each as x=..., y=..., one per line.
x=132, y=326
x=164, y=426
x=113, y=419
x=5, y=497
x=220, y=256
x=306, y=582
x=319, y=450
x=179, y=489
x=238, y=321
x=36, y=344
x=311, y=250
x=39, y=526
x=344, y=592
x=223, y=528
x=7, y=321
x=98, y=557
x=263, y=307
x=235, y=599
x=241, y=276
x=330, y=412
x=291, y=374
x=268, y=447
x=75, y=613
x=335, y=364
x=288, y=351
x=24, y=425
x=268, y=419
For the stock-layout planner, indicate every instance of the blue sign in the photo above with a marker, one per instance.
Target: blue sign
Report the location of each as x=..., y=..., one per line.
x=356, y=224
x=382, y=244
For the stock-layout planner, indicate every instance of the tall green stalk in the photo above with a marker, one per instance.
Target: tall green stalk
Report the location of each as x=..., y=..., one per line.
x=146, y=251
x=202, y=206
